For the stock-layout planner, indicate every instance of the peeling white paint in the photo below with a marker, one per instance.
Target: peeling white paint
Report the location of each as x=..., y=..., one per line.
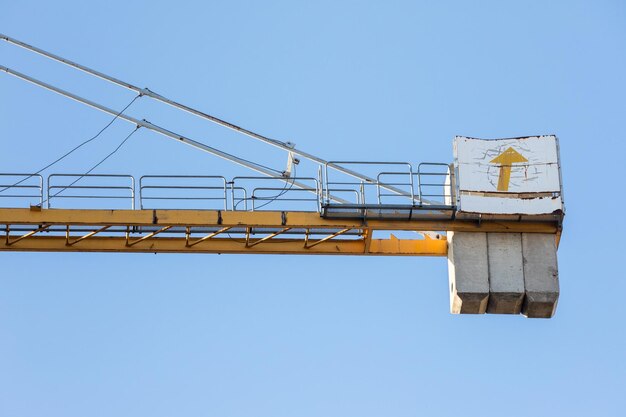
x=497, y=205
x=536, y=170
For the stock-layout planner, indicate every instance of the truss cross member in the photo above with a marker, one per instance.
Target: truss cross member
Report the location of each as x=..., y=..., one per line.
x=88, y=235
x=11, y=242
x=207, y=237
x=268, y=237
x=341, y=232
x=148, y=236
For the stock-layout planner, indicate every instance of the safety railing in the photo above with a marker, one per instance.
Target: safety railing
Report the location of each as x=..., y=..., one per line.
x=378, y=190
x=390, y=189
x=19, y=189
x=113, y=190
x=272, y=190
x=400, y=181
x=238, y=197
x=183, y=191
x=433, y=182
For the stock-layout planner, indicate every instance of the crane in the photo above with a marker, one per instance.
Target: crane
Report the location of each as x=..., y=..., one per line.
x=496, y=212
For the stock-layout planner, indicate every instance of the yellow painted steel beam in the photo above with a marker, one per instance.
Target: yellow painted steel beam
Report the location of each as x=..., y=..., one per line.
x=258, y=219
x=391, y=246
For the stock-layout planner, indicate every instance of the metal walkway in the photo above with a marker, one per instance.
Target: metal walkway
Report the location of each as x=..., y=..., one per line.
x=421, y=193
x=210, y=214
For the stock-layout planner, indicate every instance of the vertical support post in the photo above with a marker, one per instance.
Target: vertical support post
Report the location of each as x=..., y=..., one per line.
x=367, y=239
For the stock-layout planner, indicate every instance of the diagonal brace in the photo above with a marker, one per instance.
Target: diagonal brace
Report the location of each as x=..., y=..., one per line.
x=268, y=237
x=88, y=235
x=207, y=237
x=148, y=236
x=341, y=232
x=40, y=229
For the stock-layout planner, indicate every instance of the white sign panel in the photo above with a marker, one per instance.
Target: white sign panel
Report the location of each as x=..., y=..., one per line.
x=508, y=176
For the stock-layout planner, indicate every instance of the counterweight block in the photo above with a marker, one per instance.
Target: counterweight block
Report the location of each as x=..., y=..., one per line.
x=503, y=273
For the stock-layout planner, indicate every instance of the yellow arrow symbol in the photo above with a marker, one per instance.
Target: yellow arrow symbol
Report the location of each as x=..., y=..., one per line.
x=506, y=159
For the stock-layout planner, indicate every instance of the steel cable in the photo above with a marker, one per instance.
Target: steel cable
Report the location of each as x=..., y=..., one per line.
x=77, y=147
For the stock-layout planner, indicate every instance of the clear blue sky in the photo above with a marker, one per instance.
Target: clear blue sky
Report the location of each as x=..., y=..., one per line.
x=182, y=335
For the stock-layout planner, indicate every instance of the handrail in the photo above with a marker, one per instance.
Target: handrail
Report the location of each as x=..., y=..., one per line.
x=371, y=181
x=445, y=175
x=17, y=186
x=242, y=189
x=169, y=187
x=71, y=186
x=313, y=188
